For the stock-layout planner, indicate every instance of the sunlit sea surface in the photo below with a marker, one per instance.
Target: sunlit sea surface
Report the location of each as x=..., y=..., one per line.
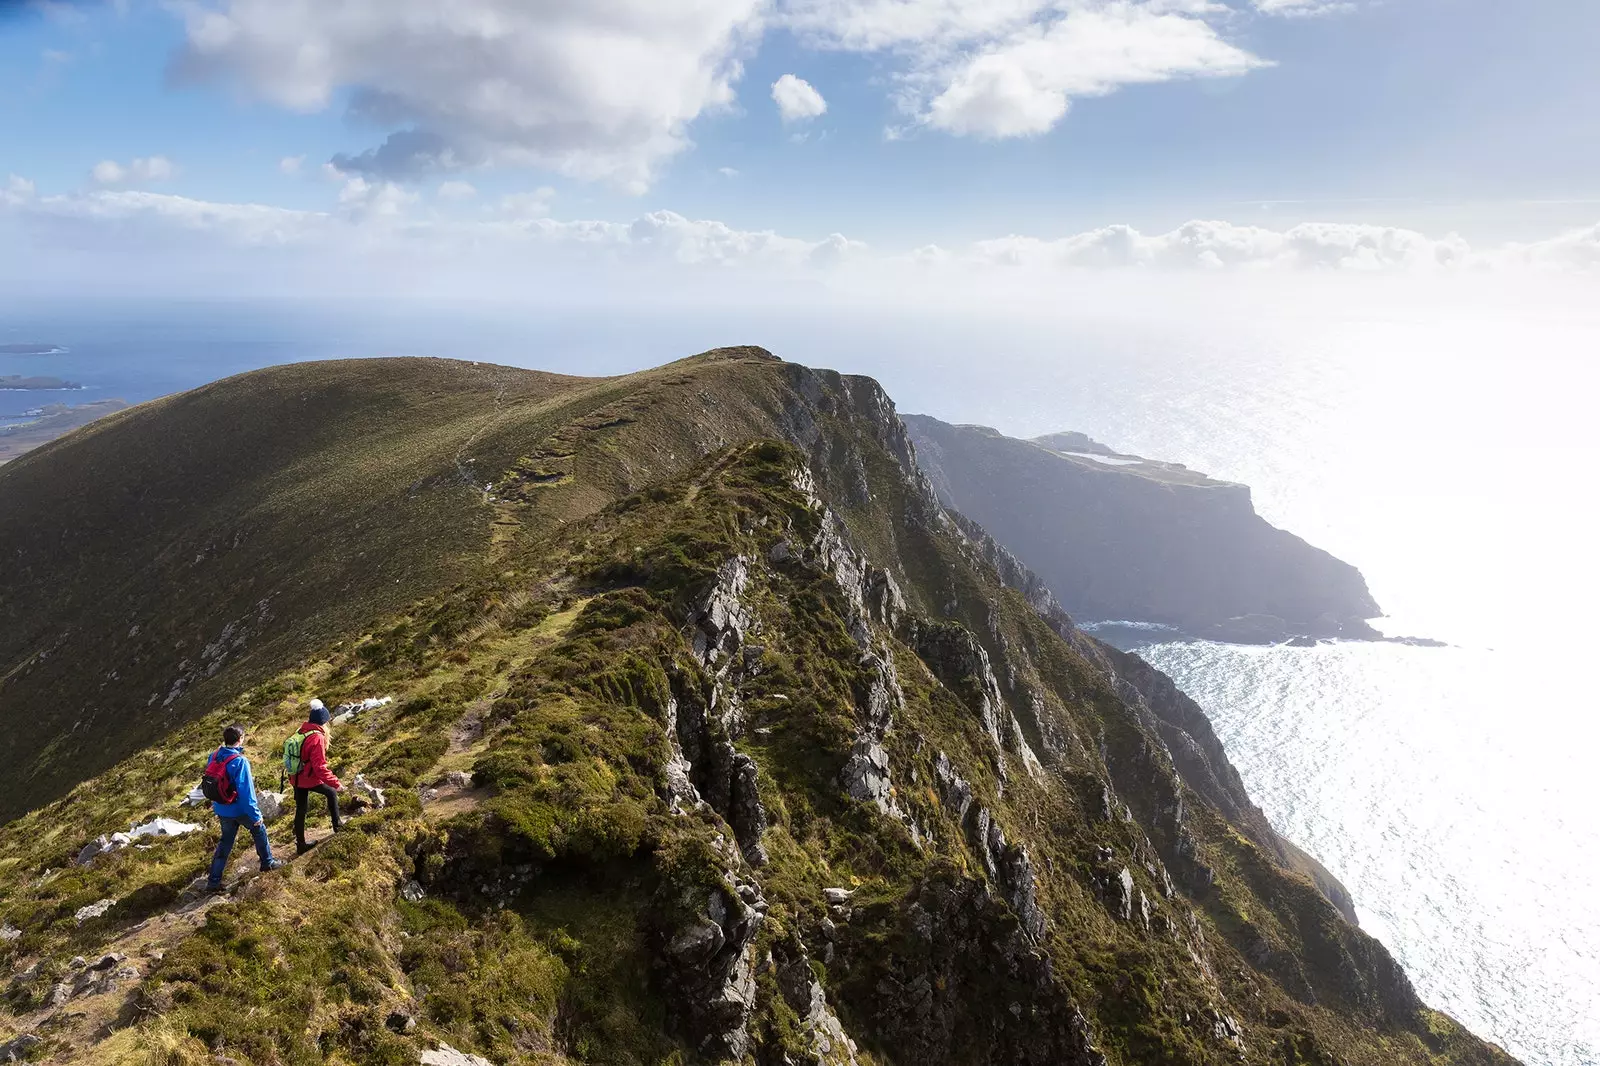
x=1452, y=458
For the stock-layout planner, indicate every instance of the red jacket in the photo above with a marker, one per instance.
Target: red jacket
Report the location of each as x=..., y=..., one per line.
x=314, y=759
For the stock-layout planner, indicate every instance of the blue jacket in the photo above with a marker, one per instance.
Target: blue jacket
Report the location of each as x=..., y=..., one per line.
x=245, y=805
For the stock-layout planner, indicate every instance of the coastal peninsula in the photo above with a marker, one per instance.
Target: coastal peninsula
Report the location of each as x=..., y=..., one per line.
x=52, y=421
x=31, y=349
x=18, y=383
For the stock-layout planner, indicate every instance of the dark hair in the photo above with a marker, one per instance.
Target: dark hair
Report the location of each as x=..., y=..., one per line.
x=231, y=735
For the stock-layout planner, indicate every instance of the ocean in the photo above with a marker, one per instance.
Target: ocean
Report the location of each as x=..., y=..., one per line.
x=1450, y=457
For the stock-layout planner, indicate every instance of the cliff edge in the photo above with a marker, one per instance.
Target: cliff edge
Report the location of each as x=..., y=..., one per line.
x=1120, y=537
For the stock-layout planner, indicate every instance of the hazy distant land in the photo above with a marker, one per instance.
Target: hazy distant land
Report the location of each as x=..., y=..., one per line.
x=16, y=382
x=53, y=421
x=31, y=349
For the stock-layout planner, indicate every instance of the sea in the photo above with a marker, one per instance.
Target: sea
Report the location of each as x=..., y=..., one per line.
x=1453, y=458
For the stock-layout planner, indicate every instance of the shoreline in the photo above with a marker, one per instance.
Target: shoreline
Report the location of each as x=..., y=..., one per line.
x=1165, y=633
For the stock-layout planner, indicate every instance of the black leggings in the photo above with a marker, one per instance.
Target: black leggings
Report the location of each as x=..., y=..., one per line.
x=301, y=796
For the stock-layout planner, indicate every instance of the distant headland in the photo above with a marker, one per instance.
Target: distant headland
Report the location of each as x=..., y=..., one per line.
x=18, y=383
x=32, y=349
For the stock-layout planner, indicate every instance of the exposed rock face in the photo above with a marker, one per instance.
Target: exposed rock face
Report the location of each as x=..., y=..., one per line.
x=1140, y=540
x=710, y=958
x=933, y=1001
x=705, y=766
x=1008, y=866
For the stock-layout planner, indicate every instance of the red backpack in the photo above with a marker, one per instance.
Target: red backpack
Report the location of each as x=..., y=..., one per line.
x=215, y=783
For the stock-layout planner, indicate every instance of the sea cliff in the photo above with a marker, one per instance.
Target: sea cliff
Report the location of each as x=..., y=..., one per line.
x=1120, y=537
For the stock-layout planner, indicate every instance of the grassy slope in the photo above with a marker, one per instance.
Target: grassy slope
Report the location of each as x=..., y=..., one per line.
x=548, y=676
x=165, y=558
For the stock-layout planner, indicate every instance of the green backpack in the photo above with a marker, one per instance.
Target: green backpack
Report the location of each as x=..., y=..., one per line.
x=292, y=763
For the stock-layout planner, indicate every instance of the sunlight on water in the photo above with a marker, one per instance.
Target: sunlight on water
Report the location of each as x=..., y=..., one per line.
x=1452, y=791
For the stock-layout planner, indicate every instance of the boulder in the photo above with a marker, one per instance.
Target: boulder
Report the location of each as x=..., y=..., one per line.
x=16, y=1049
x=94, y=910
x=271, y=804
x=366, y=789
x=162, y=827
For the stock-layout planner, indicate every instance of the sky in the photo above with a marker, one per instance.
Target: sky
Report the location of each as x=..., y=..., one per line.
x=486, y=146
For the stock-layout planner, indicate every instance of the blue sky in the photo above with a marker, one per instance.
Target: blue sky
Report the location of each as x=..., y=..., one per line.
x=946, y=122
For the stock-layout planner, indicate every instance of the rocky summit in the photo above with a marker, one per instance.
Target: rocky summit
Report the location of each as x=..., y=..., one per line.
x=692, y=727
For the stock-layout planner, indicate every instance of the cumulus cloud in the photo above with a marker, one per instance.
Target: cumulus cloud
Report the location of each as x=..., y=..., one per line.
x=797, y=100
x=1010, y=68
x=1303, y=8
x=18, y=190
x=594, y=90
x=291, y=165
x=370, y=226
x=139, y=172
x=1023, y=85
x=535, y=204
x=1576, y=250
x=243, y=225
x=362, y=199
x=1211, y=246
x=456, y=190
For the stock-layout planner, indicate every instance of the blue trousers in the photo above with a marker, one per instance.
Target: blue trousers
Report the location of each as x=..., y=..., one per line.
x=230, y=832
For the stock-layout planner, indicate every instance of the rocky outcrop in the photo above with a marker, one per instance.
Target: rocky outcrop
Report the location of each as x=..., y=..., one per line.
x=708, y=951
x=704, y=765
x=966, y=982
x=957, y=659
x=1009, y=867
x=1131, y=539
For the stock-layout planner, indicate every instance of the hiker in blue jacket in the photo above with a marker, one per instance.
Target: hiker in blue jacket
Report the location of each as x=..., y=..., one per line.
x=231, y=788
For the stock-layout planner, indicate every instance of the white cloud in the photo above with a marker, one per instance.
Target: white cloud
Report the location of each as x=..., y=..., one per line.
x=154, y=168
x=797, y=100
x=1010, y=68
x=109, y=172
x=524, y=205
x=594, y=90
x=374, y=232
x=141, y=171
x=728, y=172
x=242, y=225
x=1303, y=8
x=1022, y=86
x=456, y=190
x=18, y=190
x=362, y=199
x=291, y=165
x=1224, y=246
x=1576, y=250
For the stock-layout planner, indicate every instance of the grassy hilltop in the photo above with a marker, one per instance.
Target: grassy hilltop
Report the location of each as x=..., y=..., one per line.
x=715, y=739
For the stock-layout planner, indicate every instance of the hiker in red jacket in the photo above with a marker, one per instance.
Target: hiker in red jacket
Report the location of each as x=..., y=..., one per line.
x=314, y=775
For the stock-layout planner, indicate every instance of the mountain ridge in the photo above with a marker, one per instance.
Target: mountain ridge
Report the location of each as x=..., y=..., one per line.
x=718, y=739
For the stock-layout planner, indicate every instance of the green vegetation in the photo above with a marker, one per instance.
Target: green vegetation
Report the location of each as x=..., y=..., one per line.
x=558, y=909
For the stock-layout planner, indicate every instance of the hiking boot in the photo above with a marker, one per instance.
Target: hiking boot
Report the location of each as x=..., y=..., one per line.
x=213, y=890
x=301, y=849
x=273, y=865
